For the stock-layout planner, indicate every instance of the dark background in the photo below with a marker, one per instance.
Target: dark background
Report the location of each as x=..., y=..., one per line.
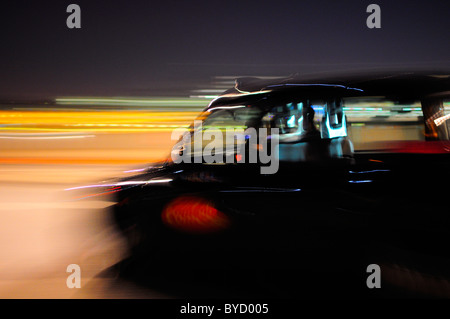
x=144, y=48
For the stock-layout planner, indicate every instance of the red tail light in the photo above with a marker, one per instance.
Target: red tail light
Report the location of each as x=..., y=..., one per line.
x=194, y=215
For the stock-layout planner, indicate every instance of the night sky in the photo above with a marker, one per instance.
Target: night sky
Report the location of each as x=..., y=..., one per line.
x=144, y=48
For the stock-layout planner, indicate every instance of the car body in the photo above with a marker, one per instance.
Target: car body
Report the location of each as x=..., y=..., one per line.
x=328, y=208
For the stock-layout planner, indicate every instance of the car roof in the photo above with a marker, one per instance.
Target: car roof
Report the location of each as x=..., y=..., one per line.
x=395, y=85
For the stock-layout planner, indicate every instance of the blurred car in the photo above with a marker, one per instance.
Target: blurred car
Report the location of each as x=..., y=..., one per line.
x=327, y=208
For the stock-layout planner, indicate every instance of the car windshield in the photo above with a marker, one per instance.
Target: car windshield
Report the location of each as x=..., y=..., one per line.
x=215, y=123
